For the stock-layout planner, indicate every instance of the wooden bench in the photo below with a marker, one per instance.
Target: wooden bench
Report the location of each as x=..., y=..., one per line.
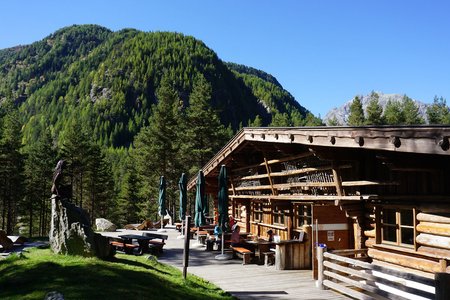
x=124, y=247
x=269, y=258
x=157, y=245
x=201, y=236
x=245, y=253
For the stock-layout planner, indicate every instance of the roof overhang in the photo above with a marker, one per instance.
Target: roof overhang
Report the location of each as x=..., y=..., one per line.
x=404, y=139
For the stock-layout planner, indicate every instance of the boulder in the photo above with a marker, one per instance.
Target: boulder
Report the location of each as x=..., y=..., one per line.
x=104, y=225
x=6, y=242
x=71, y=233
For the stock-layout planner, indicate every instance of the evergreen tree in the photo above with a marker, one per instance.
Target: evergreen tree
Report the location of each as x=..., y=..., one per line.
x=280, y=120
x=356, y=116
x=11, y=168
x=438, y=112
x=39, y=164
x=129, y=202
x=157, y=146
x=312, y=120
x=374, y=110
x=393, y=114
x=204, y=134
x=257, y=122
x=334, y=122
x=411, y=112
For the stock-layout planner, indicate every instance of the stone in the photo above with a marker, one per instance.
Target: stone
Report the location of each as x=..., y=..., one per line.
x=5, y=242
x=71, y=233
x=104, y=225
x=54, y=295
x=70, y=228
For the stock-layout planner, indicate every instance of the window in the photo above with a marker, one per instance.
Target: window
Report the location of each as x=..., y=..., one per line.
x=257, y=212
x=278, y=215
x=237, y=211
x=398, y=226
x=303, y=215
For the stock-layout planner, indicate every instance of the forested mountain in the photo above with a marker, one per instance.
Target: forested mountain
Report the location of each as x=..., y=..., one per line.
x=122, y=109
x=110, y=79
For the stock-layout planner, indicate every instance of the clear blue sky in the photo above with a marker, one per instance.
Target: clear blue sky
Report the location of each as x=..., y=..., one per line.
x=323, y=52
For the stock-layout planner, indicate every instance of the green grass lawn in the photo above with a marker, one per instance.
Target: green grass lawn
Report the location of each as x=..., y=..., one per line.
x=38, y=271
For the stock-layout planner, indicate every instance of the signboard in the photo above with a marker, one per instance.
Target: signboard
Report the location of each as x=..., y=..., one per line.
x=330, y=235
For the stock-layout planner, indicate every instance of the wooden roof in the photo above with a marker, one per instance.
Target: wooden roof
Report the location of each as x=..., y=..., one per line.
x=251, y=146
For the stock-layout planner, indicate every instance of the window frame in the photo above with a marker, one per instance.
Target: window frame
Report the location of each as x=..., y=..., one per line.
x=303, y=212
x=398, y=228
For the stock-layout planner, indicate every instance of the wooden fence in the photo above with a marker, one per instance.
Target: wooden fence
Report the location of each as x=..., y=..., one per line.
x=347, y=272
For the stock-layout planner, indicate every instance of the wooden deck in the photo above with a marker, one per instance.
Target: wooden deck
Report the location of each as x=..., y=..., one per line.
x=244, y=281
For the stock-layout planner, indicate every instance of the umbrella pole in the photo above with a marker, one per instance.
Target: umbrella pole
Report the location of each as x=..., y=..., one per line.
x=162, y=225
x=223, y=242
x=223, y=256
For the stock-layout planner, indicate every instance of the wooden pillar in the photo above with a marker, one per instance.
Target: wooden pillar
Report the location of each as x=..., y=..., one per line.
x=337, y=178
x=268, y=175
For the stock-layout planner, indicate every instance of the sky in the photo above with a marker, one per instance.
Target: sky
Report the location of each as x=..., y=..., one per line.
x=322, y=52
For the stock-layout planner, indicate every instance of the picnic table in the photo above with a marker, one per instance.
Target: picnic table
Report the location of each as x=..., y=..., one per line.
x=142, y=241
x=261, y=247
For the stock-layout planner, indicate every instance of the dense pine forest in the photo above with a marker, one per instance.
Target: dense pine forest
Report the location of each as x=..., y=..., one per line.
x=121, y=108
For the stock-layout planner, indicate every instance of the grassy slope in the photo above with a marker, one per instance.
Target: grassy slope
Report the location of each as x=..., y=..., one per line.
x=39, y=271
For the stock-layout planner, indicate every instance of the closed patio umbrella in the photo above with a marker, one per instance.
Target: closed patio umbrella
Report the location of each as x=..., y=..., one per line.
x=182, y=184
x=223, y=198
x=162, y=200
x=199, y=200
x=223, y=207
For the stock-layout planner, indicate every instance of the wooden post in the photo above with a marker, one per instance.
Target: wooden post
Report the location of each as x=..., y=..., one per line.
x=274, y=192
x=442, y=286
x=320, y=249
x=187, y=237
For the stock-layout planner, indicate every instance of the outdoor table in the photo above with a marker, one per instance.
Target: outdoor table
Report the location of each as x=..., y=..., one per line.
x=141, y=239
x=261, y=246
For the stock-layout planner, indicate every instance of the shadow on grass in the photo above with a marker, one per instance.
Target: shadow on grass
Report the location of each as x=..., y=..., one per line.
x=94, y=279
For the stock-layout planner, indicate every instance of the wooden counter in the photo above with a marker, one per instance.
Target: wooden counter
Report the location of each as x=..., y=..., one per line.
x=292, y=255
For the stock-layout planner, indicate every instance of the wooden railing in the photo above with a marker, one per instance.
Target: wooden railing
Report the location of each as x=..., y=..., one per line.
x=346, y=271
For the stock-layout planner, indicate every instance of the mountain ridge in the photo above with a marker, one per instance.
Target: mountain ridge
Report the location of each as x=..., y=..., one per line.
x=110, y=78
x=341, y=113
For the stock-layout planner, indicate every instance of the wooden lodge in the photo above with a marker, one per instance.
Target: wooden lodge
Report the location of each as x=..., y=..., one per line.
x=379, y=193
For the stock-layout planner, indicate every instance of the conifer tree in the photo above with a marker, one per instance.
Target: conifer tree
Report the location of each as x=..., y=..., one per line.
x=411, y=112
x=11, y=168
x=374, y=110
x=204, y=134
x=438, y=112
x=393, y=114
x=157, y=146
x=356, y=116
x=39, y=164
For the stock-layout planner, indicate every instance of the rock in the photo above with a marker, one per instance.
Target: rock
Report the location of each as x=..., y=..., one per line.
x=70, y=228
x=71, y=233
x=104, y=225
x=6, y=242
x=54, y=295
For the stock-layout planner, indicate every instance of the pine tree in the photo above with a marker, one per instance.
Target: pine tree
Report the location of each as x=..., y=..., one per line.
x=257, y=122
x=374, y=110
x=39, y=164
x=356, y=116
x=393, y=114
x=204, y=134
x=438, y=112
x=411, y=112
x=11, y=168
x=157, y=146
